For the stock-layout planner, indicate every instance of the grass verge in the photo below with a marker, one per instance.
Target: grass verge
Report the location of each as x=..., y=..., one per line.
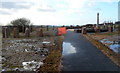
x=53, y=62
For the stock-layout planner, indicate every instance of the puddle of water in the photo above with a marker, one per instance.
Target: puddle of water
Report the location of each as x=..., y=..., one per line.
x=68, y=48
x=105, y=41
x=115, y=47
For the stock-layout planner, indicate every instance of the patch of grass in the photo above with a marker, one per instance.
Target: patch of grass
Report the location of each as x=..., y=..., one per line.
x=100, y=36
x=15, y=66
x=52, y=62
x=112, y=33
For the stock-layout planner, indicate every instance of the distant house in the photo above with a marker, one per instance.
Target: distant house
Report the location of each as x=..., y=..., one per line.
x=88, y=25
x=101, y=24
x=118, y=22
x=109, y=23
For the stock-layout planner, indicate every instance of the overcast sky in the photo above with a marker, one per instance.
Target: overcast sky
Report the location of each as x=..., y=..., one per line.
x=58, y=12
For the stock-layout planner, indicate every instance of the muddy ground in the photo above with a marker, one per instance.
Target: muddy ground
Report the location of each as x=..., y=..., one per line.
x=32, y=51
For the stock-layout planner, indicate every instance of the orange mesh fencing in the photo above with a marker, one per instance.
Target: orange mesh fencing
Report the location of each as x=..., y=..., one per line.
x=61, y=31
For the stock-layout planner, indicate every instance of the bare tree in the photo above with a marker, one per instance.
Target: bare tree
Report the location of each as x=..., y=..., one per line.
x=21, y=23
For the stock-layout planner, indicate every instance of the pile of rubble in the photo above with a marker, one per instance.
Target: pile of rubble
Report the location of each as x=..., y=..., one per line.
x=24, y=54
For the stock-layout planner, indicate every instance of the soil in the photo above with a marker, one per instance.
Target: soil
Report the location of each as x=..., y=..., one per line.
x=18, y=50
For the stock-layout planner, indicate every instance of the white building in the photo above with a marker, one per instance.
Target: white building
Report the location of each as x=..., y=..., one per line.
x=119, y=11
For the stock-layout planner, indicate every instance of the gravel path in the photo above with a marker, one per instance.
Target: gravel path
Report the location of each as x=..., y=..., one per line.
x=87, y=57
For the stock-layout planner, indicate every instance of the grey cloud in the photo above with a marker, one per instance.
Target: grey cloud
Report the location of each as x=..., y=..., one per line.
x=4, y=12
x=15, y=5
x=47, y=10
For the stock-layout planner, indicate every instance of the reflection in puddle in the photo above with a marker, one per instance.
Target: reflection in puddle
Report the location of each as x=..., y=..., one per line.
x=113, y=45
x=106, y=41
x=68, y=49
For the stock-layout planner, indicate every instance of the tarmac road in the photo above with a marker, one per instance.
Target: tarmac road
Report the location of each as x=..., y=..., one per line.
x=84, y=56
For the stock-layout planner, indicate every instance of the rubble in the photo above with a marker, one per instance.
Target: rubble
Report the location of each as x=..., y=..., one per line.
x=16, y=53
x=31, y=65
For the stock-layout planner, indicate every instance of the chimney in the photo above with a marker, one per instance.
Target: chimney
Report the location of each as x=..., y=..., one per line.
x=97, y=19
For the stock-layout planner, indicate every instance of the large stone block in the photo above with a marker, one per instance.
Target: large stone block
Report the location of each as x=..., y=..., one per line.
x=27, y=32
x=6, y=32
x=95, y=25
x=39, y=32
x=53, y=27
x=84, y=30
x=97, y=29
x=110, y=29
x=16, y=33
x=47, y=28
